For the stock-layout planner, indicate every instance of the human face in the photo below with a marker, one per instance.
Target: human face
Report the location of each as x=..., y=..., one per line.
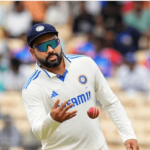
x=50, y=58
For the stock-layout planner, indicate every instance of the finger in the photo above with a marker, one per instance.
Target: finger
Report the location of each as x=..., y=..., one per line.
x=56, y=104
x=135, y=147
x=70, y=113
x=63, y=105
x=71, y=116
x=66, y=115
x=128, y=146
x=65, y=109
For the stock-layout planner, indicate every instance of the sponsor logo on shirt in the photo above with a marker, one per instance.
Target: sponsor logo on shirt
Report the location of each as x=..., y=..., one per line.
x=54, y=94
x=82, y=79
x=80, y=99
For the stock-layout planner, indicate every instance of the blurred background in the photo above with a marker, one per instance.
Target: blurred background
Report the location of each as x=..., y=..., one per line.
x=115, y=34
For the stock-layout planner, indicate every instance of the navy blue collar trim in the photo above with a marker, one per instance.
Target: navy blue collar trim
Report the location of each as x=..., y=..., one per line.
x=62, y=78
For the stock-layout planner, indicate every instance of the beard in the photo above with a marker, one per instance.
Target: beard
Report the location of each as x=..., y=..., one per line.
x=51, y=64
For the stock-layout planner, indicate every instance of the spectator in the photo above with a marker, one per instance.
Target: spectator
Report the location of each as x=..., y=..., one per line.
x=18, y=20
x=132, y=77
x=99, y=28
x=93, y=7
x=111, y=15
x=108, y=59
x=9, y=134
x=127, y=38
x=113, y=55
x=3, y=68
x=143, y=54
x=103, y=63
x=22, y=52
x=57, y=12
x=1, y=15
x=87, y=47
x=75, y=8
x=109, y=39
x=84, y=23
x=4, y=43
x=14, y=79
x=4, y=8
x=127, y=6
x=138, y=17
x=37, y=10
x=4, y=60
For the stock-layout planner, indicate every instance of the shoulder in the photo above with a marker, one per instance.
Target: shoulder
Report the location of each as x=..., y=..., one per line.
x=73, y=56
x=82, y=61
x=32, y=80
x=32, y=88
x=78, y=58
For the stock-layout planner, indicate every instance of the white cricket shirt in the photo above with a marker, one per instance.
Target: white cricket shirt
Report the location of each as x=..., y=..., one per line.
x=81, y=84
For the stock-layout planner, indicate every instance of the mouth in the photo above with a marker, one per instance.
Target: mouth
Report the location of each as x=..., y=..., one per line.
x=52, y=57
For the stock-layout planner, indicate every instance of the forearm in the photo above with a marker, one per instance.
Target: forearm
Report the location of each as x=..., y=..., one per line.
x=121, y=120
x=43, y=126
x=112, y=105
x=46, y=128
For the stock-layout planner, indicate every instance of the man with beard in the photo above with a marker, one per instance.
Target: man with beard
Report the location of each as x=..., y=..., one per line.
x=59, y=93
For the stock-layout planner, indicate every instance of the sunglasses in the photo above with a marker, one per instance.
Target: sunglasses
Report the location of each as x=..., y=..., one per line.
x=43, y=46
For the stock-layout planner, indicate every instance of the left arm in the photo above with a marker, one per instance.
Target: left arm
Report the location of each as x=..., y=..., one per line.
x=123, y=124
x=114, y=108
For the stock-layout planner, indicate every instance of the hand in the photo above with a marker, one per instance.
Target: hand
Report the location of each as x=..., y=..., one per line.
x=60, y=114
x=131, y=144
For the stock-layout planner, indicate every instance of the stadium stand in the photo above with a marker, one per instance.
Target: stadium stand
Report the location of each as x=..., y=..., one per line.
x=136, y=104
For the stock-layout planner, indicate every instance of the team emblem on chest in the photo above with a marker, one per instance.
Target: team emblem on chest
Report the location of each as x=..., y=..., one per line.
x=82, y=79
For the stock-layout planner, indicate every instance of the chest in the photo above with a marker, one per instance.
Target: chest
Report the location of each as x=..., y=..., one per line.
x=77, y=88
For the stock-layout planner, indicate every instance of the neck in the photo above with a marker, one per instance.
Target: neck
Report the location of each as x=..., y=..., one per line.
x=57, y=70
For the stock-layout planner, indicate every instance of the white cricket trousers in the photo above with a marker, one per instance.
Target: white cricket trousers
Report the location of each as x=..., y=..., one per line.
x=104, y=147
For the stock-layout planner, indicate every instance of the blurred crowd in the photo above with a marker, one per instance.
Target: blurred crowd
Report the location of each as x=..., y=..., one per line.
x=116, y=36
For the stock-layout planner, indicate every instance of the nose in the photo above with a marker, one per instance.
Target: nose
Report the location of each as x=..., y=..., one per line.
x=49, y=49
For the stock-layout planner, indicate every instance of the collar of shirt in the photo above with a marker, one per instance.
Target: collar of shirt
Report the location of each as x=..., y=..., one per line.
x=50, y=74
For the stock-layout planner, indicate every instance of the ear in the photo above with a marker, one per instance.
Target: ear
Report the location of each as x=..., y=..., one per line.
x=32, y=52
x=59, y=40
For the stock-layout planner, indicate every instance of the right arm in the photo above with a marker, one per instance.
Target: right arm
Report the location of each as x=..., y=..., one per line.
x=43, y=125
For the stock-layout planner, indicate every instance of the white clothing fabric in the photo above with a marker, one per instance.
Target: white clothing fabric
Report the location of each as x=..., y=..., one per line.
x=18, y=23
x=136, y=80
x=93, y=7
x=104, y=147
x=14, y=81
x=81, y=84
x=58, y=14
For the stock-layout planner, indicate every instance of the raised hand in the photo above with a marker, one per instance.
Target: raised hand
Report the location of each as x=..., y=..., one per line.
x=60, y=114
